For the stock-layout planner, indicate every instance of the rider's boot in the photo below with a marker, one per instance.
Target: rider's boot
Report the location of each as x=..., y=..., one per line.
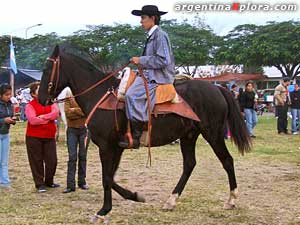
x=136, y=130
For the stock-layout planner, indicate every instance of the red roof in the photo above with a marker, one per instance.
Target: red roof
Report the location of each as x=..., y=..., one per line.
x=234, y=77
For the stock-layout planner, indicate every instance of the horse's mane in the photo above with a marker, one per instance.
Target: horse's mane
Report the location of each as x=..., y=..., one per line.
x=82, y=56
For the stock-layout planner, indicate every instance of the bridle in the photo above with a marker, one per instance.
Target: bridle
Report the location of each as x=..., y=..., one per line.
x=55, y=72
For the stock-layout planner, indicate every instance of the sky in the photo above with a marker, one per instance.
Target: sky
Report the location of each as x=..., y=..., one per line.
x=65, y=16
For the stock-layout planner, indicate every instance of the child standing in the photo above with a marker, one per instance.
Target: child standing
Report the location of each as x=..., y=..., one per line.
x=6, y=118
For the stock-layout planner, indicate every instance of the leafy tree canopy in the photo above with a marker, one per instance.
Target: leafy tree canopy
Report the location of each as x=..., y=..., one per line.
x=274, y=44
x=111, y=46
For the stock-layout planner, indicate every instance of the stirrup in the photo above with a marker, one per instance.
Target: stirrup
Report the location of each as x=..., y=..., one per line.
x=126, y=145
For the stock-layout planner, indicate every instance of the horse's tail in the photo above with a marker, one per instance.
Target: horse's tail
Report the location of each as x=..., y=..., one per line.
x=236, y=123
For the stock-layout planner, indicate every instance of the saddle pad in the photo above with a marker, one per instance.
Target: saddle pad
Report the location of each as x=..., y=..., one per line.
x=182, y=108
x=163, y=93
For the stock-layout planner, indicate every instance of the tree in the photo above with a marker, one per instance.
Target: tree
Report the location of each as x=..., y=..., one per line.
x=109, y=46
x=273, y=44
x=4, y=50
x=30, y=53
x=193, y=45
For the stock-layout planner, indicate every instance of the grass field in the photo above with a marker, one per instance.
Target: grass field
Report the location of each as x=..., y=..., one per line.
x=268, y=180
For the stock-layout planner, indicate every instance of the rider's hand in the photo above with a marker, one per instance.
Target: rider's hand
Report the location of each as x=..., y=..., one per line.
x=135, y=60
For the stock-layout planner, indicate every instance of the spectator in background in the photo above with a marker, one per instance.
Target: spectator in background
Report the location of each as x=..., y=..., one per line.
x=248, y=102
x=76, y=134
x=15, y=103
x=24, y=97
x=6, y=119
x=40, y=140
x=241, y=90
x=295, y=108
x=234, y=91
x=281, y=104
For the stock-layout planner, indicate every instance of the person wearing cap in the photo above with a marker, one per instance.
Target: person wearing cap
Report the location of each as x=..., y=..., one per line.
x=281, y=104
x=157, y=62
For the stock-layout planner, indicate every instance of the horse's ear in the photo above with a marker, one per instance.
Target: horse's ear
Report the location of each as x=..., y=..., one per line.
x=55, y=51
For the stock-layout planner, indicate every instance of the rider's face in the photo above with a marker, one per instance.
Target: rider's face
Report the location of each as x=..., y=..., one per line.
x=147, y=22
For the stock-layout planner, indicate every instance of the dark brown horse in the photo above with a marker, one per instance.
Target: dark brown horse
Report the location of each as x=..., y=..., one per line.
x=214, y=106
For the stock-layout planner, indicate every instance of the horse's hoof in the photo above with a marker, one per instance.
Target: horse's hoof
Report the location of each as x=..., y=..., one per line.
x=99, y=219
x=228, y=206
x=140, y=198
x=168, y=207
x=170, y=203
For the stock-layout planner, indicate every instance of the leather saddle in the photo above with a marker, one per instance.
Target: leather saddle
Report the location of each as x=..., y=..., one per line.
x=166, y=99
x=180, y=108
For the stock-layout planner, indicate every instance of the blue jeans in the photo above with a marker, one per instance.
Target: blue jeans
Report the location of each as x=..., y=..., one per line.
x=251, y=119
x=295, y=115
x=77, y=150
x=22, y=111
x=4, y=156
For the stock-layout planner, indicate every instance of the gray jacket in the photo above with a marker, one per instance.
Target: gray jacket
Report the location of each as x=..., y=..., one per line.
x=6, y=110
x=158, y=59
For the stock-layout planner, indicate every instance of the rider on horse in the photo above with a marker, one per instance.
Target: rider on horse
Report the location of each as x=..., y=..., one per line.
x=157, y=62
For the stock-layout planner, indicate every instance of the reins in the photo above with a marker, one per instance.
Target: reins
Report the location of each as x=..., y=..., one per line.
x=149, y=114
x=111, y=91
x=55, y=70
x=56, y=63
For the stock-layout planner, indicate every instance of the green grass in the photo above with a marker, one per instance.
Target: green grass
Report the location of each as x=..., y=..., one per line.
x=270, y=145
x=268, y=179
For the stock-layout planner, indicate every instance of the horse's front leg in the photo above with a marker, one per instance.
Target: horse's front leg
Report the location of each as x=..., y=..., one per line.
x=106, y=157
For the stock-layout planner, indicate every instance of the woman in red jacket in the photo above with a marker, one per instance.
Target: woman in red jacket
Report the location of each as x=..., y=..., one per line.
x=40, y=140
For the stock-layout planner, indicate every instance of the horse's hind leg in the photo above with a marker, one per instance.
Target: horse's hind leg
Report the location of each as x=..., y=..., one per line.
x=187, y=145
x=226, y=159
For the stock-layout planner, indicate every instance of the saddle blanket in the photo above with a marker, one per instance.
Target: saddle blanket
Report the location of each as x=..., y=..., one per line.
x=181, y=108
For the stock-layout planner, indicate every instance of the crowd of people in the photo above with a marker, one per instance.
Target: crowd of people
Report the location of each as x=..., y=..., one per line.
x=284, y=98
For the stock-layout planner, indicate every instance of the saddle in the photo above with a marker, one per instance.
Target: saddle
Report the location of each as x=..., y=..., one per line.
x=166, y=99
x=181, y=108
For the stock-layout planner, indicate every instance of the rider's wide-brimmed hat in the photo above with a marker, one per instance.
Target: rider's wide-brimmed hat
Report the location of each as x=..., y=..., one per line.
x=151, y=10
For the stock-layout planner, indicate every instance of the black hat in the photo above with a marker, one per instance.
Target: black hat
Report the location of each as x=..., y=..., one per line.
x=150, y=10
x=286, y=79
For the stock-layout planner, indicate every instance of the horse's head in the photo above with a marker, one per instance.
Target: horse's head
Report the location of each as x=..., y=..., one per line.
x=52, y=82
